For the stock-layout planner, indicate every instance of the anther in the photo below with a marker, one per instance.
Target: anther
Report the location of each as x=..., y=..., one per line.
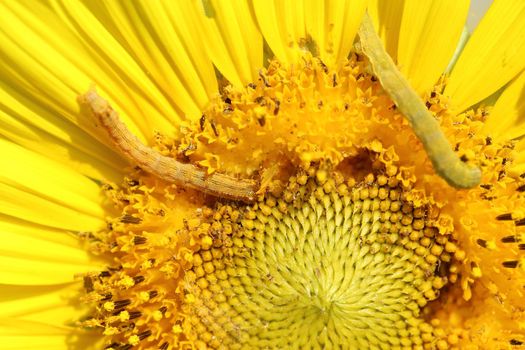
x=214, y=128
x=106, y=297
x=277, y=107
x=504, y=217
x=88, y=284
x=481, y=242
x=202, y=120
x=144, y=334
x=511, y=264
x=137, y=240
x=134, y=314
x=130, y=219
x=509, y=239
x=264, y=79
x=138, y=279
x=133, y=183
x=119, y=304
x=520, y=222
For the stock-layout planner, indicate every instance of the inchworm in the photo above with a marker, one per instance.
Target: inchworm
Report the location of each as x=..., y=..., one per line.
x=163, y=167
x=446, y=163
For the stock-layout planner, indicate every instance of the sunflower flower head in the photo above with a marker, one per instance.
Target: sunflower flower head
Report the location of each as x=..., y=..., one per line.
x=301, y=196
x=351, y=248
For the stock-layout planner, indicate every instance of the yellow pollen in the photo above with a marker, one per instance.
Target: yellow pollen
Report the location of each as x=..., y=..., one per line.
x=133, y=340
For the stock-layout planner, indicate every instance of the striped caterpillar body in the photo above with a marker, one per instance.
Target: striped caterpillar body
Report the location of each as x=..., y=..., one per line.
x=446, y=163
x=166, y=168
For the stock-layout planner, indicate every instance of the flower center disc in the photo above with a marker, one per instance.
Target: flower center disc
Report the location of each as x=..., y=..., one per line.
x=324, y=267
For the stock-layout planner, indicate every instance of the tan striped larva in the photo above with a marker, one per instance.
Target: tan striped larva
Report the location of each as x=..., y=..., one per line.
x=446, y=163
x=163, y=167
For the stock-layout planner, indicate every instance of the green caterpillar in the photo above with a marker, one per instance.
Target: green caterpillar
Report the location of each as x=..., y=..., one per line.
x=446, y=163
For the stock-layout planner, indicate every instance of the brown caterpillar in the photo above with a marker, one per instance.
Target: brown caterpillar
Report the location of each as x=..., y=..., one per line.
x=446, y=163
x=166, y=168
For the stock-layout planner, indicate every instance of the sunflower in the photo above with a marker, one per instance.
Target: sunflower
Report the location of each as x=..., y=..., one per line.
x=261, y=175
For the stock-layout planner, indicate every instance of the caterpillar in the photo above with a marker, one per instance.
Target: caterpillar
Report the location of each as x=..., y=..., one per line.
x=166, y=168
x=445, y=162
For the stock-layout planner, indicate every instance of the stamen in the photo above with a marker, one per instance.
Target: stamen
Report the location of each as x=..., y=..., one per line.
x=134, y=314
x=130, y=219
x=504, y=217
x=137, y=240
x=88, y=284
x=138, y=279
x=446, y=163
x=144, y=334
x=511, y=264
x=482, y=243
x=509, y=239
x=163, y=167
x=520, y=222
x=119, y=304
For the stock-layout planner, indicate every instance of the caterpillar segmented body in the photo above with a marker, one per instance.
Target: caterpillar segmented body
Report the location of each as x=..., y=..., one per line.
x=446, y=163
x=166, y=168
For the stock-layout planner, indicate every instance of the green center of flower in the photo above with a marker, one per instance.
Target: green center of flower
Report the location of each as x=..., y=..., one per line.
x=324, y=267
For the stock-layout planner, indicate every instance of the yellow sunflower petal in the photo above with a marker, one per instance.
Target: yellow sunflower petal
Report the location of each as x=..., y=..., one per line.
x=386, y=15
x=56, y=236
x=157, y=36
x=72, y=49
x=325, y=28
x=345, y=20
x=428, y=36
x=37, y=303
x=519, y=162
x=22, y=335
x=231, y=38
x=58, y=68
x=37, y=255
x=279, y=32
x=37, y=189
x=493, y=55
x=507, y=118
x=109, y=57
x=40, y=130
x=22, y=270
